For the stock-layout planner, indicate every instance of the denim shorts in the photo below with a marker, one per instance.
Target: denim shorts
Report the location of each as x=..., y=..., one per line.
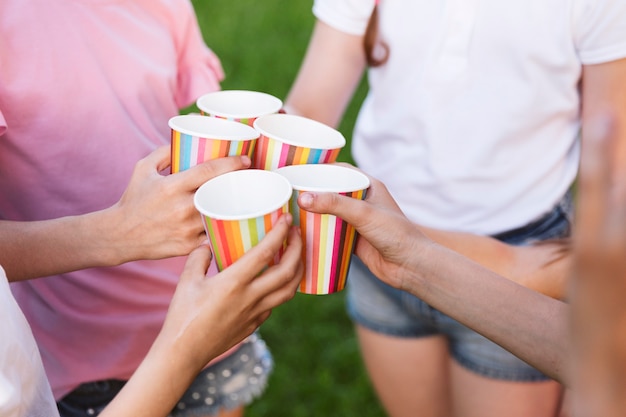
x=232, y=382
x=383, y=309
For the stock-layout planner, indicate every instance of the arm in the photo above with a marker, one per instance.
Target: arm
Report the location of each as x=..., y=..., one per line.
x=529, y=324
x=155, y=218
x=207, y=316
x=542, y=267
x=599, y=273
x=330, y=72
x=604, y=93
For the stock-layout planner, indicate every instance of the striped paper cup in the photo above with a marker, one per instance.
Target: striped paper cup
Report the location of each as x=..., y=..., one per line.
x=242, y=106
x=196, y=139
x=287, y=139
x=238, y=208
x=328, y=240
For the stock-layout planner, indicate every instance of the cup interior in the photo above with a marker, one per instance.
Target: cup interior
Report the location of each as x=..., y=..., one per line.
x=238, y=104
x=211, y=127
x=299, y=131
x=244, y=194
x=324, y=178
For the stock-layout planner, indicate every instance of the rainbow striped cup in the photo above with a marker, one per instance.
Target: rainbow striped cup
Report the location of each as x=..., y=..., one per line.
x=328, y=240
x=196, y=139
x=242, y=106
x=287, y=139
x=238, y=208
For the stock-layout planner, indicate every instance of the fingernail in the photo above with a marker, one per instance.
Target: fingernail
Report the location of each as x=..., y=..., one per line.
x=306, y=199
x=246, y=160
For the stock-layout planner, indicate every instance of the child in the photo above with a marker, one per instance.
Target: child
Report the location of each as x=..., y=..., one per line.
x=472, y=122
x=206, y=317
x=86, y=90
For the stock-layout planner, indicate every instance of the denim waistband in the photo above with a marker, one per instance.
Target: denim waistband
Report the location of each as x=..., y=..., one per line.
x=564, y=206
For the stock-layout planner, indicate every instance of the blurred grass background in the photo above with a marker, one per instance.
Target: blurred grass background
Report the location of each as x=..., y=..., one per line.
x=318, y=368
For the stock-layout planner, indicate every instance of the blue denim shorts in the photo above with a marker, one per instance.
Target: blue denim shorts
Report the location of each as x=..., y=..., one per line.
x=232, y=382
x=383, y=309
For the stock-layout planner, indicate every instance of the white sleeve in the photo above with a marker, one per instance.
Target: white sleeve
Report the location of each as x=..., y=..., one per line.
x=24, y=389
x=349, y=16
x=600, y=30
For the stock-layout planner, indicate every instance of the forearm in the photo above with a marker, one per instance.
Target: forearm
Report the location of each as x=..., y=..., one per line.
x=540, y=267
x=156, y=386
x=528, y=324
x=35, y=249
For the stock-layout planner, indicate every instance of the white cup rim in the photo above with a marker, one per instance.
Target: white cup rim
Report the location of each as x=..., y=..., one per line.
x=300, y=131
x=324, y=178
x=258, y=180
x=249, y=103
x=211, y=127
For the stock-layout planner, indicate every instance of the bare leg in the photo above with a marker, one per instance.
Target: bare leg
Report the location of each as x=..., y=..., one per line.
x=476, y=396
x=409, y=375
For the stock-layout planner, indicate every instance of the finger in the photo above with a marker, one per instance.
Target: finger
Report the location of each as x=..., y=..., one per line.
x=157, y=160
x=354, y=211
x=198, y=263
x=279, y=283
x=194, y=177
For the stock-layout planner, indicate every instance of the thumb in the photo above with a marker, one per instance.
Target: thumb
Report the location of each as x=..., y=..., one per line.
x=198, y=262
x=350, y=209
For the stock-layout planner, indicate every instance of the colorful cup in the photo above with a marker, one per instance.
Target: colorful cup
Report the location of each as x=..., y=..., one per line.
x=196, y=139
x=287, y=139
x=238, y=105
x=238, y=208
x=328, y=240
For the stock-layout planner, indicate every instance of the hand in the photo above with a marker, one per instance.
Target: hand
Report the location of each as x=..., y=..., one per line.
x=207, y=316
x=155, y=217
x=387, y=239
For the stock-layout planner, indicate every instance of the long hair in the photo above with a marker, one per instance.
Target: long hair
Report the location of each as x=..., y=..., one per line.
x=376, y=51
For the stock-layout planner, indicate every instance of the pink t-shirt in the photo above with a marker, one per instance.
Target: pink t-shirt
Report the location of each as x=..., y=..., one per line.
x=86, y=90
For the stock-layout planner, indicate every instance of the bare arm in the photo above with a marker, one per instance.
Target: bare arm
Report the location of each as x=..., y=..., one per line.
x=329, y=74
x=542, y=267
x=209, y=315
x=331, y=69
x=527, y=323
x=599, y=273
x=604, y=95
x=155, y=218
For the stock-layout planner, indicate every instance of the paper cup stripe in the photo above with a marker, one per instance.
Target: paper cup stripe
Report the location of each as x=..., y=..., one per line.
x=188, y=151
x=175, y=141
x=337, y=258
x=329, y=245
x=245, y=120
x=326, y=236
x=230, y=239
x=272, y=154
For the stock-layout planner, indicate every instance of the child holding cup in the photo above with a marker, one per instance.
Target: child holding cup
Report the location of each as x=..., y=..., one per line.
x=472, y=121
x=205, y=317
x=76, y=114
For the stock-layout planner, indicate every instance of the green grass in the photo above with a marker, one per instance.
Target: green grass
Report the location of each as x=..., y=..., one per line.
x=318, y=368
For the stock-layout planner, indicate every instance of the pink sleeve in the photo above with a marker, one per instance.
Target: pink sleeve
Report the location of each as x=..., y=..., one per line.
x=3, y=124
x=199, y=69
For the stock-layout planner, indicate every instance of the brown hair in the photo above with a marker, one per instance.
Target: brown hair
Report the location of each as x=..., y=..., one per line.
x=370, y=42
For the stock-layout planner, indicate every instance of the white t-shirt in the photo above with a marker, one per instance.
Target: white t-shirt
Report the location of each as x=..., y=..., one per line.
x=473, y=122
x=24, y=388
